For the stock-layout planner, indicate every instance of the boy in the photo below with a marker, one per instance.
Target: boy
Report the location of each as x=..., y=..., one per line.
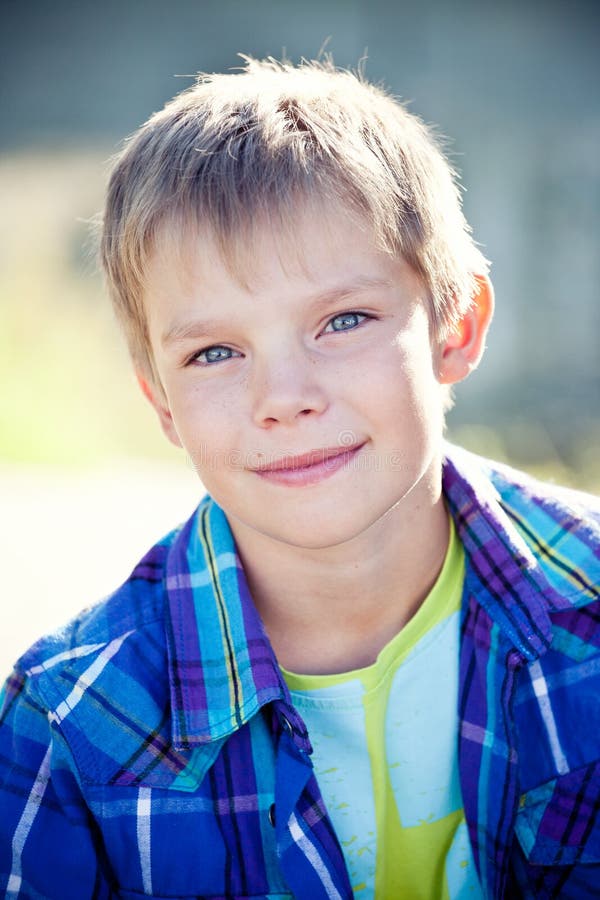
x=369, y=664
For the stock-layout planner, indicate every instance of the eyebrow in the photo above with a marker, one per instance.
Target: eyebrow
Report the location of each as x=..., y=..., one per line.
x=208, y=328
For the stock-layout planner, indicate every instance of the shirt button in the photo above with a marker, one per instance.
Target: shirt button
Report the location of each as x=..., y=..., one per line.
x=287, y=724
x=272, y=814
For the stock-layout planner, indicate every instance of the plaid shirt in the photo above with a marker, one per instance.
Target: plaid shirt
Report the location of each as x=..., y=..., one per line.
x=151, y=748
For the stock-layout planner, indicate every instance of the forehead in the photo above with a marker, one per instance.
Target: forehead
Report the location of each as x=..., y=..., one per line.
x=317, y=243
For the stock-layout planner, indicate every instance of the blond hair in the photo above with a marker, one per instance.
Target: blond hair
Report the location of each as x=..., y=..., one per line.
x=236, y=148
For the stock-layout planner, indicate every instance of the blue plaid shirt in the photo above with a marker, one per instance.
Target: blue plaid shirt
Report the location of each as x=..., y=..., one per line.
x=151, y=747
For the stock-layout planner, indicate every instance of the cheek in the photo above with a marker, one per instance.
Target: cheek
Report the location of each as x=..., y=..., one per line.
x=209, y=426
x=404, y=372
x=405, y=397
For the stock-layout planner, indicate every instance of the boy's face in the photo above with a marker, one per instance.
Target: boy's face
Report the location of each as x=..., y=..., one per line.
x=310, y=400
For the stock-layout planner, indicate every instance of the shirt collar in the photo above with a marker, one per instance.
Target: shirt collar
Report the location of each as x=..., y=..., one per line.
x=507, y=524
x=222, y=668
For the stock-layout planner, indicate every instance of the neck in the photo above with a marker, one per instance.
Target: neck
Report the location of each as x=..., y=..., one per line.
x=333, y=609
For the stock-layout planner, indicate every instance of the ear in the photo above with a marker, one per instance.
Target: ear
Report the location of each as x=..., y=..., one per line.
x=461, y=351
x=156, y=397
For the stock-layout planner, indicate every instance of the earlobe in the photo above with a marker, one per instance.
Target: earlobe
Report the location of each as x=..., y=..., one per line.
x=156, y=399
x=461, y=351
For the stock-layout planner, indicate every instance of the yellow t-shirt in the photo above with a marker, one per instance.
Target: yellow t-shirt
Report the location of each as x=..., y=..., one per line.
x=385, y=755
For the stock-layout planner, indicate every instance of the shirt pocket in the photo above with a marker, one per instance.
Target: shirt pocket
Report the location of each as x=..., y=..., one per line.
x=558, y=823
x=185, y=844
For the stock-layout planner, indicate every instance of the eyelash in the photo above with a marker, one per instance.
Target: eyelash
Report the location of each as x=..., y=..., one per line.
x=361, y=316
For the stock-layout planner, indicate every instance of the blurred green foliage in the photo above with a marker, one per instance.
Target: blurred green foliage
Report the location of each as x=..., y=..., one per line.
x=68, y=392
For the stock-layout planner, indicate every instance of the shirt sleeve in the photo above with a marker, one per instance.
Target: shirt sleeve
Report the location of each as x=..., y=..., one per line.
x=49, y=846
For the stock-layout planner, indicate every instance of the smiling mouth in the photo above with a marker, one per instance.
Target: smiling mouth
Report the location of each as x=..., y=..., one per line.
x=308, y=468
x=306, y=460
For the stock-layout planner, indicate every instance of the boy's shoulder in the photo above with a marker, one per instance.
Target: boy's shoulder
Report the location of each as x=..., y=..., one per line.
x=514, y=501
x=114, y=649
x=100, y=682
x=135, y=605
x=533, y=547
x=510, y=482
x=559, y=525
x=529, y=490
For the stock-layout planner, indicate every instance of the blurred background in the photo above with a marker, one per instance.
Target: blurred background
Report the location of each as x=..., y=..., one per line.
x=87, y=481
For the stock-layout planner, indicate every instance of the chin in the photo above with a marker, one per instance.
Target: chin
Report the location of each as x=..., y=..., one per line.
x=316, y=534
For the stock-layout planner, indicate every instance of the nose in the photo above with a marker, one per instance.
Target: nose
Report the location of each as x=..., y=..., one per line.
x=287, y=389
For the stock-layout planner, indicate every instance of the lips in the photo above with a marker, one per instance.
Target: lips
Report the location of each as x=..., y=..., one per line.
x=308, y=468
x=306, y=460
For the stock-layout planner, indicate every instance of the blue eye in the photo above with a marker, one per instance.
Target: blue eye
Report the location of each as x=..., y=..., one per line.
x=345, y=321
x=213, y=355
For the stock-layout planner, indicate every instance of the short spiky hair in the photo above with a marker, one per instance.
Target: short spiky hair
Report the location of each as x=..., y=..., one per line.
x=236, y=148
